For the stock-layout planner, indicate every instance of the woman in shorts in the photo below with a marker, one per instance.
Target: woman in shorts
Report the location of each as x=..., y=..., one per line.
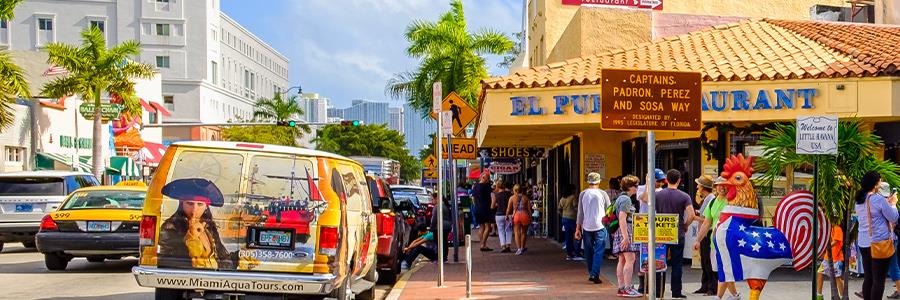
x=622, y=239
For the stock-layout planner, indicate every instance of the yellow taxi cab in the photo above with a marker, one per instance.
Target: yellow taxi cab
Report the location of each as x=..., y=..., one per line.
x=226, y=220
x=98, y=223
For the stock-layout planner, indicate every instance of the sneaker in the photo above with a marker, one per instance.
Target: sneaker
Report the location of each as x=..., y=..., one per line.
x=595, y=280
x=519, y=252
x=734, y=297
x=577, y=258
x=569, y=257
x=404, y=266
x=632, y=293
x=679, y=296
x=506, y=250
x=701, y=291
x=621, y=292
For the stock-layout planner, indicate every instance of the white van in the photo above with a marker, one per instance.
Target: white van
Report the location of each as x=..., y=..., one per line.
x=25, y=197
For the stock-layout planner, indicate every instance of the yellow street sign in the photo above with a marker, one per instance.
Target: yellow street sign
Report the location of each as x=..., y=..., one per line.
x=666, y=228
x=463, y=114
x=430, y=162
x=462, y=148
x=430, y=174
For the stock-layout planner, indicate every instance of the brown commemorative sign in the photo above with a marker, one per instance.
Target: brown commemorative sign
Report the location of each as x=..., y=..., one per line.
x=650, y=100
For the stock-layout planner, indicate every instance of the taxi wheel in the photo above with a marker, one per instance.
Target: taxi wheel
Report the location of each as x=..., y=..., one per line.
x=95, y=259
x=56, y=262
x=1, y=247
x=29, y=244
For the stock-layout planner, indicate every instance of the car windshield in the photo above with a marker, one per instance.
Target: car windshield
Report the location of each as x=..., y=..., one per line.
x=400, y=198
x=407, y=190
x=32, y=186
x=424, y=199
x=105, y=199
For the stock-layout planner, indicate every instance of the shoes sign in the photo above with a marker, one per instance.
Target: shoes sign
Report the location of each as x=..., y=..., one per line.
x=817, y=135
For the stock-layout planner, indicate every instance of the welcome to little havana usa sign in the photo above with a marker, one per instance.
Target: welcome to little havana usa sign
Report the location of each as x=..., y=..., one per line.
x=817, y=135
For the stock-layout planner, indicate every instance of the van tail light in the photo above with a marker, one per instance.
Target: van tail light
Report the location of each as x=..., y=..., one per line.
x=47, y=224
x=148, y=230
x=328, y=240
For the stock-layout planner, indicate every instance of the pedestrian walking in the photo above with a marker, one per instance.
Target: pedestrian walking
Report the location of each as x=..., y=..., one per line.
x=504, y=224
x=709, y=280
x=875, y=213
x=671, y=200
x=519, y=210
x=568, y=211
x=836, y=267
x=484, y=214
x=623, y=246
x=710, y=222
x=592, y=204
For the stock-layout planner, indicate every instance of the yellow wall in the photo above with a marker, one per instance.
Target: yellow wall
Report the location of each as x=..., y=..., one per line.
x=558, y=32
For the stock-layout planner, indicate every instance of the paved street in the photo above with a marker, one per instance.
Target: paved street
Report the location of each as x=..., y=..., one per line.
x=23, y=276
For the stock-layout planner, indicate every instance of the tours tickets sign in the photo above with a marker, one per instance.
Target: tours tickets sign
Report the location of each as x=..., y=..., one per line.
x=650, y=100
x=666, y=228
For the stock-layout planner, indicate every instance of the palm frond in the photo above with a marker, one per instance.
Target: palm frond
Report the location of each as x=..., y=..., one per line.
x=489, y=41
x=7, y=7
x=65, y=86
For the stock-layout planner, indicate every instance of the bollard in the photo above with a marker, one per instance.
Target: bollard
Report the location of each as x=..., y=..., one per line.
x=468, y=266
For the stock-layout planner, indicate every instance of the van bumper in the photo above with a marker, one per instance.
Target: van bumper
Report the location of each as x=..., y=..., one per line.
x=246, y=282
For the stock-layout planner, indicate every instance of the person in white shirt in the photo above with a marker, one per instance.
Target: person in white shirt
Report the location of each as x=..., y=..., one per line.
x=592, y=204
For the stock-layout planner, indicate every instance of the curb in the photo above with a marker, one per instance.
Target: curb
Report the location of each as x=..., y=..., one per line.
x=397, y=289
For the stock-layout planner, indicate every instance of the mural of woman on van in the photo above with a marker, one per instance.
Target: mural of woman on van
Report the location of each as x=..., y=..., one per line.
x=190, y=237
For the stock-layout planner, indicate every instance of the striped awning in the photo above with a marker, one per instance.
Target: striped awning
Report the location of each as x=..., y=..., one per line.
x=56, y=161
x=124, y=166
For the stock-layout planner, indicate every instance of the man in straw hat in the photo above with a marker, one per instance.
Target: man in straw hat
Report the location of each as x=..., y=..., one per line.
x=592, y=204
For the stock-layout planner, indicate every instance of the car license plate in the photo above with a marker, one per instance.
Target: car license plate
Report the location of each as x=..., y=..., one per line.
x=98, y=226
x=24, y=208
x=275, y=238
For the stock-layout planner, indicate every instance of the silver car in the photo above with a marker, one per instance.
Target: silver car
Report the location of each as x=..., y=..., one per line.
x=25, y=197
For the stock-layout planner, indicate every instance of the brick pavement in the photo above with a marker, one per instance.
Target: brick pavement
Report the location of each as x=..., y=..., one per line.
x=541, y=273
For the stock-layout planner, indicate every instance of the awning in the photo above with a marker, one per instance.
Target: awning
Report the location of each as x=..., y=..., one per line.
x=146, y=105
x=124, y=166
x=151, y=154
x=161, y=109
x=56, y=161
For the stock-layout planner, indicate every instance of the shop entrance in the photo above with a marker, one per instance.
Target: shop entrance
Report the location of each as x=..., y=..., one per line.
x=565, y=165
x=682, y=155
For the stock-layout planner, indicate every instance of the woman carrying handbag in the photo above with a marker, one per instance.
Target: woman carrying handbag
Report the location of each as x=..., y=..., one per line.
x=876, y=213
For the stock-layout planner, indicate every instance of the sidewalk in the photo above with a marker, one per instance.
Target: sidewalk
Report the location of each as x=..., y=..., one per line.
x=541, y=273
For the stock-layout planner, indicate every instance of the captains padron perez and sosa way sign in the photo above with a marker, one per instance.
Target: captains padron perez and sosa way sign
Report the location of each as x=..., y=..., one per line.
x=650, y=100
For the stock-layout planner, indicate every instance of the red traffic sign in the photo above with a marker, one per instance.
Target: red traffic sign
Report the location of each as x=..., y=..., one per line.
x=636, y=4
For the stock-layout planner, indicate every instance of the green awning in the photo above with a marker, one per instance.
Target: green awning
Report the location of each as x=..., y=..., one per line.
x=56, y=161
x=123, y=166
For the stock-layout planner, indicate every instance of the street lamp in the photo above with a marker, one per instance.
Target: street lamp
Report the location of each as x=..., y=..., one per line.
x=299, y=90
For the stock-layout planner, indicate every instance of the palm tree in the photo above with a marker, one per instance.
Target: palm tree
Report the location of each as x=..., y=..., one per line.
x=12, y=81
x=92, y=70
x=838, y=175
x=450, y=54
x=280, y=109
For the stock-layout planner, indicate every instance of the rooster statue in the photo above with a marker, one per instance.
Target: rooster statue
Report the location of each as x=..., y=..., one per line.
x=749, y=252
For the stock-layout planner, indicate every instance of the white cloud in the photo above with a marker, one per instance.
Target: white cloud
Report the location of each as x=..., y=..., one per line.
x=349, y=49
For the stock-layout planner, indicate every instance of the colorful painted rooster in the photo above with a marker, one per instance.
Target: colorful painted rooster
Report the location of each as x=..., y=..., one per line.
x=749, y=252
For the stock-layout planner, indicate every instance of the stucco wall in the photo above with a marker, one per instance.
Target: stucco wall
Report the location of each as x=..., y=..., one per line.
x=669, y=24
x=778, y=9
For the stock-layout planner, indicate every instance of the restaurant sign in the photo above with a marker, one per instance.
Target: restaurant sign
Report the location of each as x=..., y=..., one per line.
x=774, y=99
x=650, y=100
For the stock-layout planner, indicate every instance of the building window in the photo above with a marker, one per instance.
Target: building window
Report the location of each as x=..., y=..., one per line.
x=153, y=117
x=99, y=24
x=163, y=29
x=162, y=1
x=162, y=62
x=15, y=154
x=214, y=69
x=45, y=24
x=169, y=102
x=3, y=24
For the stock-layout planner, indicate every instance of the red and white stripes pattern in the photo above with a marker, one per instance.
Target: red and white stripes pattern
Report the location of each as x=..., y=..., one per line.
x=793, y=217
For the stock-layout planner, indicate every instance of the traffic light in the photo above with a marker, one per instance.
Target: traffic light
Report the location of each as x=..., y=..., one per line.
x=351, y=123
x=290, y=123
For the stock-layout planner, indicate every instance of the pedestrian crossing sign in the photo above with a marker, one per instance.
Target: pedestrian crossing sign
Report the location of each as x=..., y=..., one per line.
x=430, y=162
x=462, y=113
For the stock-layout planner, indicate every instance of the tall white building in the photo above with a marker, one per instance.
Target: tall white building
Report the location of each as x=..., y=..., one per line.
x=395, y=119
x=416, y=129
x=315, y=110
x=209, y=63
x=367, y=111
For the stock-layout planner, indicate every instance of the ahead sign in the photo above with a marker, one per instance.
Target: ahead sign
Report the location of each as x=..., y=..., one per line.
x=462, y=148
x=650, y=100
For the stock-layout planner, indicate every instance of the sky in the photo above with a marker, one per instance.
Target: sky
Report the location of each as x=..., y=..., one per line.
x=349, y=49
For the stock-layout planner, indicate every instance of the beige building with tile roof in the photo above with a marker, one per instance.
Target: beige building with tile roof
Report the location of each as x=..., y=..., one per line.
x=755, y=72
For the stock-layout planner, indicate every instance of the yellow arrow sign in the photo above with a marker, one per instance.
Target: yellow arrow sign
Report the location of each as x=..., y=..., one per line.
x=430, y=162
x=430, y=174
x=463, y=114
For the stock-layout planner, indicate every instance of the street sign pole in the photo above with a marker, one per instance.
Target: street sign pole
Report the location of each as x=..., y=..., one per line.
x=815, y=225
x=440, y=205
x=455, y=197
x=651, y=210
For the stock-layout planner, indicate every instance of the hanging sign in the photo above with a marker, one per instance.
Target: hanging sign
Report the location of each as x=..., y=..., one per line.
x=817, y=135
x=506, y=168
x=108, y=111
x=650, y=100
x=666, y=228
x=510, y=152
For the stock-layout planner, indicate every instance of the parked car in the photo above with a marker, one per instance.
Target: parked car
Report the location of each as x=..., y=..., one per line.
x=225, y=220
x=394, y=232
x=412, y=209
x=95, y=222
x=409, y=189
x=25, y=197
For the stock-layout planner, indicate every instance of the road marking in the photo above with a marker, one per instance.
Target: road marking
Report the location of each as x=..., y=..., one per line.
x=398, y=287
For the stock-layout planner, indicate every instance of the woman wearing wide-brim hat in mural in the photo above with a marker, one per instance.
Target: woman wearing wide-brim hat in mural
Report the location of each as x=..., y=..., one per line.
x=190, y=238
